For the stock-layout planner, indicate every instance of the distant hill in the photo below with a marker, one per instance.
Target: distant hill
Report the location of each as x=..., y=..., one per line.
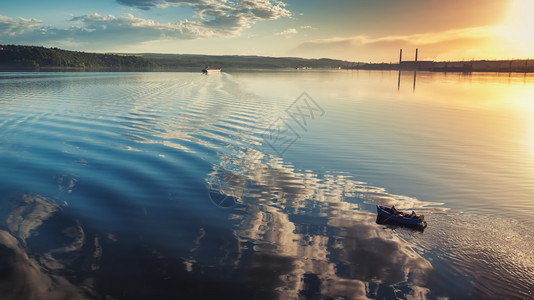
x=33, y=58
x=171, y=62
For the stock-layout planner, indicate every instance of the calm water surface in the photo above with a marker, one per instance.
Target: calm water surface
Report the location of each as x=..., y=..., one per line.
x=239, y=186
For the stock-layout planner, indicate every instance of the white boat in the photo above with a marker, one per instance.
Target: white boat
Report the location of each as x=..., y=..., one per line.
x=211, y=70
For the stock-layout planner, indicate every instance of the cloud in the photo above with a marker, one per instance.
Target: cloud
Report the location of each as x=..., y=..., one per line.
x=94, y=30
x=416, y=39
x=12, y=27
x=138, y=29
x=307, y=27
x=142, y=4
x=451, y=44
x=212, y=18
x=289, y=31
x=222, y=16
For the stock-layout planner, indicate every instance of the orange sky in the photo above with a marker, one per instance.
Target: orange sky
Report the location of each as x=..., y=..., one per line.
x=461, y=30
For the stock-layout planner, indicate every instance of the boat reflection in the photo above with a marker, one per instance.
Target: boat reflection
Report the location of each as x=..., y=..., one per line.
x=395, y=225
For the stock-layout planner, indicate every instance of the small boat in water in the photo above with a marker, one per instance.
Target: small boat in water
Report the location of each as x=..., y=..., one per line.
x=211, y=70
x=386, y=214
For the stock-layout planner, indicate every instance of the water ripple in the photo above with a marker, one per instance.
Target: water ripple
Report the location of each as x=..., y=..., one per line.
x=113, y=175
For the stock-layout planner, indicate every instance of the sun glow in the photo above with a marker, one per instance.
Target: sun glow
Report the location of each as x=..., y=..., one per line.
x=518, y=28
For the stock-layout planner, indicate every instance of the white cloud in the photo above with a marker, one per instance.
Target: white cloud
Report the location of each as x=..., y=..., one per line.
x=213, y=18
x=12, y=27
x=94, y=30
x=138, y=28
x=307, y=27
x=289, y=31
x=224, y=17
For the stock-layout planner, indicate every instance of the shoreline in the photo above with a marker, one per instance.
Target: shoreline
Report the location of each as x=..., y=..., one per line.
x=493, y=66
x=230, y=70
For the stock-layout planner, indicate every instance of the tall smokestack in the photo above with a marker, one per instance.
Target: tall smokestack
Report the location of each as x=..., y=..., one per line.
x=416, y=50
x=400, y=57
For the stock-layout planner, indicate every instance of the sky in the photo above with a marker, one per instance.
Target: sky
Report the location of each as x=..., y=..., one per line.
x=353, y=30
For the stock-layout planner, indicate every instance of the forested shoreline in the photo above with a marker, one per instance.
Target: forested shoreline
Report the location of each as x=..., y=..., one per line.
x=33, y=58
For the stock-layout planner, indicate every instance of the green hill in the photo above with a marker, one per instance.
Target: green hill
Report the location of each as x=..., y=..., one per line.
x=173, y=62
x=33, y=58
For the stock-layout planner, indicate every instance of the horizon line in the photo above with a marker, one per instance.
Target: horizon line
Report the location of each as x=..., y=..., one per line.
x=298, y=57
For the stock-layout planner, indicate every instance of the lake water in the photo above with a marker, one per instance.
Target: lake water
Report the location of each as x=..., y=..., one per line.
x=260, y=185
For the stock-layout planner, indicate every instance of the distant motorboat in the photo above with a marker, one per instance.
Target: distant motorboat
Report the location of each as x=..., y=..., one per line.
x=211, y=70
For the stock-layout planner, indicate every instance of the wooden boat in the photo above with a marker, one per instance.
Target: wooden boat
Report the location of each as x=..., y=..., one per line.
x=211, y=70
x=386, y=214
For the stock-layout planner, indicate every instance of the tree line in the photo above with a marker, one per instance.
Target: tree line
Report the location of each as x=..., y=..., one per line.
x=34, y=58
x=184, y=61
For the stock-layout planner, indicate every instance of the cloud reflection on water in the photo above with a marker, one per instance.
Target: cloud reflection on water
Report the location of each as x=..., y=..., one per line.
x=26, y=279
x=36, y=256
x=302, y=234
